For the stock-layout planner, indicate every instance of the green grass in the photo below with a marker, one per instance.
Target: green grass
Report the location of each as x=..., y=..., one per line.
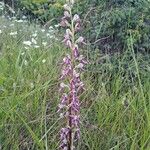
x=115, y=106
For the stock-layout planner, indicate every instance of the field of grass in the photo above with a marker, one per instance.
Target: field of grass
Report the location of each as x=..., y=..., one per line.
x=115, y=108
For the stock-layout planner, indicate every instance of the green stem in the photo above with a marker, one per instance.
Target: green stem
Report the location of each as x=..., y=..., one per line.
x=71, y=137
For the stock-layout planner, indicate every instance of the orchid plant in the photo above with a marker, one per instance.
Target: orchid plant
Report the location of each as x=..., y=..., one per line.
x=71, y=85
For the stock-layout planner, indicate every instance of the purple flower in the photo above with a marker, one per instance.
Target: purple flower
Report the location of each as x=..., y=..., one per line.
x=66, y=71
x=68, y=43
x=77, y=27
x=63, y=86
x=67, y=38
x=75, y=120
x=67, y=60
x=76, y=51
x=64, y=133
x=77, y=134
x=71, y=86
x=80, y=40
x=68, y=32
x=81, y=86
x=75, y=104
x=80, y=66
x=76, y=18
x=67, y=14
x=82, y=60
x=64, y=22
x=64, y=99
x=76, y=74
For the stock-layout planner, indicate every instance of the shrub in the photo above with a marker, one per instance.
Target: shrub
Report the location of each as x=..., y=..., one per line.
x=43, y=10
x=109, y=23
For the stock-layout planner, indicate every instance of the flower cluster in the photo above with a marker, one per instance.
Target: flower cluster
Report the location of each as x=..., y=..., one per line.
x=71, y=85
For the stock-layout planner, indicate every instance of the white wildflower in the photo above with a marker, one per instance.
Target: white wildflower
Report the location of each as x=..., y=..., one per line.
x=24, y=17
x=2, y=5
x=51, y=28
x=12, y=11
x=47, y=34
x=13, y=33
x=27, y=43
x=19, y=21
x=11, y=25
x=43, y=30
x=36, y=46
x=1, y=8
x=25, y=62
x=31, y=85
x=44, y=43
x=34, y=35
x=51, y=36
x=43, y=61
x=22, y=53
x=34, y=41
x=26, y=47
x=57, y=25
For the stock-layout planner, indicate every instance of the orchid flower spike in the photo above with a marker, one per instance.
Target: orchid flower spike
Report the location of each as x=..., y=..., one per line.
x=71, y=85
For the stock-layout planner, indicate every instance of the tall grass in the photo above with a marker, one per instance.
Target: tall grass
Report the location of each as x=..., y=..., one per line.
x=115, y=107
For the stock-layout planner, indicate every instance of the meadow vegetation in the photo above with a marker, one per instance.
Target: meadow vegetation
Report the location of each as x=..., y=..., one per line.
x=115, y=107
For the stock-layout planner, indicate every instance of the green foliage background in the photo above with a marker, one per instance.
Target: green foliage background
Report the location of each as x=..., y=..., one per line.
x=106, y=23
x=113, y=21
x=43, y=10
x=115, y=106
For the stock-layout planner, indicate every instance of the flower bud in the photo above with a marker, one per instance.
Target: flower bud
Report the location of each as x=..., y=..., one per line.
x=64, y=22
x=76, y=18
x=76, y=51
x=67, y=60
x=67, y=7
x=80, y=40
x=68, y=32
x=68, y=44
x=62, y=86
x=77, y=27
x=66, y=14
x=80, y=66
